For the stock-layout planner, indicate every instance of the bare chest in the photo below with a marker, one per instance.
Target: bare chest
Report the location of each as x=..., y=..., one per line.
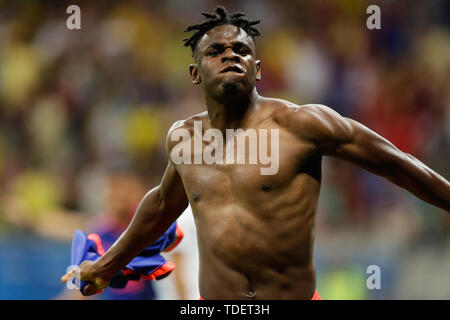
x=242, y=165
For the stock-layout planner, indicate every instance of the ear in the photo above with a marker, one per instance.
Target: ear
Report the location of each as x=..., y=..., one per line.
x=195, y=74
x=258, y=70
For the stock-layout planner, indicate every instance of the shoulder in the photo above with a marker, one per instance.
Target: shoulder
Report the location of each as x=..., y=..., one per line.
x=291, y=115
x=289, y=111
x=181, y=127
x=313, y=121
x=187, y=124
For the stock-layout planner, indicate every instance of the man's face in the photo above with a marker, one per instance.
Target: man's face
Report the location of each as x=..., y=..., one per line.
x=225, y=62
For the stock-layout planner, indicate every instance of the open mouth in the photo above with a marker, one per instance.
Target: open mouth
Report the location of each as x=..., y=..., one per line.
x=232, y=69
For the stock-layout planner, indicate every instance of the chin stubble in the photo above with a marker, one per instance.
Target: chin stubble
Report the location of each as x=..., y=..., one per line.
x=230, y=87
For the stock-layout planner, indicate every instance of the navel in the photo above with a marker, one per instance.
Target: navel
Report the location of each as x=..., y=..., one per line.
x=196, y=197
x=266, y=187
x=250, y=293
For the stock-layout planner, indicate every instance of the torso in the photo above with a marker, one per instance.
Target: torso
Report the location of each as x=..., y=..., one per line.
x=256, y=232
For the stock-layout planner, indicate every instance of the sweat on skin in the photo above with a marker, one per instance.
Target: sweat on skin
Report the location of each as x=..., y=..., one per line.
x=235, y=139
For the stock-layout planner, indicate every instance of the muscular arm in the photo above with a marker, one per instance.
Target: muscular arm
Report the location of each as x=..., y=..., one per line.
x=347, y=139
x=159, y=208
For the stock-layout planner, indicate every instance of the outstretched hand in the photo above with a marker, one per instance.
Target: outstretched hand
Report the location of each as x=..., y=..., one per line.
x=87, y=272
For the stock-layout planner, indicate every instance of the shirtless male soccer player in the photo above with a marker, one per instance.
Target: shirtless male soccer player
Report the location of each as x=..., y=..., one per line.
x=255, y=232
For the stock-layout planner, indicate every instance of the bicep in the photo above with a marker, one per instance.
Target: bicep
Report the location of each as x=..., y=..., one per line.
x=172, y=195
x=344, y=138
x=172, y=192
x=367, y=149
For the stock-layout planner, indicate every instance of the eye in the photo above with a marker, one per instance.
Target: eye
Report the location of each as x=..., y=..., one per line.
x=213, y=53
x=242, y=51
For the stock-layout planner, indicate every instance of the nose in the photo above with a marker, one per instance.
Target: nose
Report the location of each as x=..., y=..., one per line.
x=230, y=55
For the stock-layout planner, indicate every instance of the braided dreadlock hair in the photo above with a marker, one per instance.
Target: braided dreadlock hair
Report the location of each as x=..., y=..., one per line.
x=213, y=20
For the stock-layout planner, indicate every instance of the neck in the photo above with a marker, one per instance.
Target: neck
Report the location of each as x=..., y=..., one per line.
x=231, y=113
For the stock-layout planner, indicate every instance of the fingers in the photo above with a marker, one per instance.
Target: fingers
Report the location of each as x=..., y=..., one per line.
x=91, y=289
x=83, y=273
x=68, y=275
x=75, y=271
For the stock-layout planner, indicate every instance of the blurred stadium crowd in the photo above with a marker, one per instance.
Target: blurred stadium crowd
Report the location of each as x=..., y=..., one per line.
x=76, y=104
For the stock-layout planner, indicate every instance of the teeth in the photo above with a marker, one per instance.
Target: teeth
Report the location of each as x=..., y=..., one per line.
x=232, y=69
